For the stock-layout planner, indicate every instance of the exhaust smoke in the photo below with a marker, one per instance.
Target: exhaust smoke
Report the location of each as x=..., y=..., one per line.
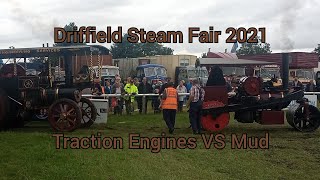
x=290, y=13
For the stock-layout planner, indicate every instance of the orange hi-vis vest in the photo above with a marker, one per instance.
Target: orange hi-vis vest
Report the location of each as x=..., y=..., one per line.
x=171, y=102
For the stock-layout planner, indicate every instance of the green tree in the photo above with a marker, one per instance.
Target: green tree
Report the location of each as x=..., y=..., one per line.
x=126, y=49
x=254, y=48
x=69, y=27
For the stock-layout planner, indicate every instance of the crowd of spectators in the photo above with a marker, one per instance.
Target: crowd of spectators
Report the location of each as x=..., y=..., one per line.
x=130, y=87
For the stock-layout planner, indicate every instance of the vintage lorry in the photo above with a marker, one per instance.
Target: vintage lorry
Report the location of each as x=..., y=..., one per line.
x=128, y=66
x=267, y=72
x=107, y=73
x=153, y=72
x=187, y=73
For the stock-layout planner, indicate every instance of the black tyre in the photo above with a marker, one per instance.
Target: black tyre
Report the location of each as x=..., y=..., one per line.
x=297, y=118
x=64, y=115
x=89, y=112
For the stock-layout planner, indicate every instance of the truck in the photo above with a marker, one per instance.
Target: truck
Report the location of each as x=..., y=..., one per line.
x=267, y=72
x=187, y=73
x=107, y=73
x=128, y=66
x=153, y=72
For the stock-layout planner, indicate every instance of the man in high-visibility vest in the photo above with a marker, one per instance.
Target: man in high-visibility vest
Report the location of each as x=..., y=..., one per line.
x=131, y=90
x=169, y=106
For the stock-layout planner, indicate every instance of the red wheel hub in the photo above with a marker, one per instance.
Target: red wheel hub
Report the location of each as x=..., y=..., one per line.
x=214, y=124
x=252, y=86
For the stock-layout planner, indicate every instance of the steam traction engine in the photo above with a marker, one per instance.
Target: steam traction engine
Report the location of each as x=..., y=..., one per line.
x=259, y=102
x=23, y=96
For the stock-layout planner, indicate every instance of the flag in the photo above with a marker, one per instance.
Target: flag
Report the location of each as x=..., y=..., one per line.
x=234, y=47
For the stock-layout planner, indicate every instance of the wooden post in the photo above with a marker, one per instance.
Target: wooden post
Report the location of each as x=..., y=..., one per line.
x=144, y=104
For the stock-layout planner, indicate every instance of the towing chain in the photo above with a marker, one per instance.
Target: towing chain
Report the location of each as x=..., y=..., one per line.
x=100, y=67
x=91, y=67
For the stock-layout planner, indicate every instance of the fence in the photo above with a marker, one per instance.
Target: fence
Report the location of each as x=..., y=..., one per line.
x=106, y=96
x=314, y=99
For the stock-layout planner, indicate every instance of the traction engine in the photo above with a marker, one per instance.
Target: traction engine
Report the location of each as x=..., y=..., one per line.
x=255, y=101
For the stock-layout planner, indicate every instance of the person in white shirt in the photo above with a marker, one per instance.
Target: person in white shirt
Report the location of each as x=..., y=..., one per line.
x=181, y=89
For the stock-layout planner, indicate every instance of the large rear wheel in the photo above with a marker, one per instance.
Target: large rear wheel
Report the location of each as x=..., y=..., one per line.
x=64, y=115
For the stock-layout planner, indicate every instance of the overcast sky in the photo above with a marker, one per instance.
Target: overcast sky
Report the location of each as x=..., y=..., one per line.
x=291, y=25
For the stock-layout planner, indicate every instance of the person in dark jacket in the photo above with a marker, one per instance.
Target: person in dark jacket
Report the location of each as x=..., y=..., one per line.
x=311, y=87
x=216, y=78
x=156, y=99
x=165, y=85
x=143, y=88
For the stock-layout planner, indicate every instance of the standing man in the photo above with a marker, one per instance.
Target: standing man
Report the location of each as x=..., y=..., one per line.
x=195, y=103
x=297, y=85
x=144, y=88
x=118, y=80
x=130, y=90
x=156, y=99
x=181, y=89
x=165, y=85
x=169, y=105
x=189, y=85
x=311, y=86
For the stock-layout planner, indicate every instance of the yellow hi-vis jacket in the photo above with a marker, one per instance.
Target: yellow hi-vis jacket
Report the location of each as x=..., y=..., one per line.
x=129, y=89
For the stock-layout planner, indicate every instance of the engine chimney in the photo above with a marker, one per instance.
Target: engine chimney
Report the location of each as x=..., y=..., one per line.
x=285, y=70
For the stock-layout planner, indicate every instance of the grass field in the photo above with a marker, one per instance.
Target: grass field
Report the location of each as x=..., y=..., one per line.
x=30, y=153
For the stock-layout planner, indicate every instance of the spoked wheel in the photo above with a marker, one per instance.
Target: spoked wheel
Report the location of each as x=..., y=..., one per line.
x=89, y=112
x=304, y=119
x=64, y=115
